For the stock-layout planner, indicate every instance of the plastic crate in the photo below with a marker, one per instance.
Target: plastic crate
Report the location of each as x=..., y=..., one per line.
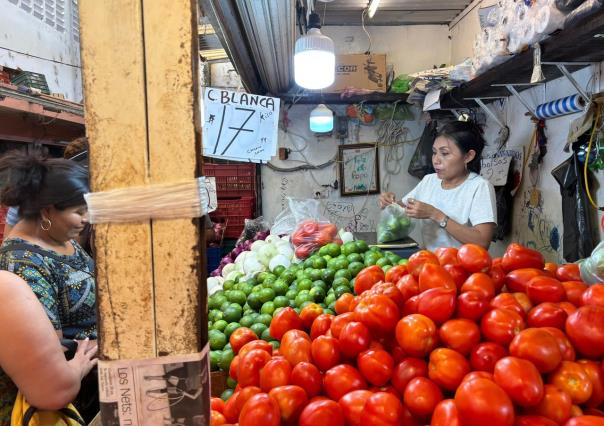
x=233, y=180
x=233, y=212
x=213, y=255
x=31, y=79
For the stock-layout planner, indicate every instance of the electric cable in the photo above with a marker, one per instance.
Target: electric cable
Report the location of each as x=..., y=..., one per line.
x=586, y=163
x=365, y=29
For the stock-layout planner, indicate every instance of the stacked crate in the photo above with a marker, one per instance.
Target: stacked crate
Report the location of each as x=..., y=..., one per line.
x=33, y=80
x=236, y=191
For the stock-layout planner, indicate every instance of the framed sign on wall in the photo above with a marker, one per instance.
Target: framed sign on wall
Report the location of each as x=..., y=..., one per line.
x=359, y=169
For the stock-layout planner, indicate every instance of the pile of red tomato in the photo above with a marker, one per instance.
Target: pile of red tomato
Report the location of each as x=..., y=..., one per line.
x=311, y=235
x=451, y=338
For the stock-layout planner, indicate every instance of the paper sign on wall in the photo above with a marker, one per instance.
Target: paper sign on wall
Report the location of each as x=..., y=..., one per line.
x=239, y=126
x=495, y=169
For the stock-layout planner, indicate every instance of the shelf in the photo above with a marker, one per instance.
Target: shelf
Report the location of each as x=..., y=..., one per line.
x=335, y=98
x=584, y=42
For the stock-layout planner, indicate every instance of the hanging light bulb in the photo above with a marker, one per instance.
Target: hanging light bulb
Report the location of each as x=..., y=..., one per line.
x=314, y=58
x=373, y=6
x=321, y=119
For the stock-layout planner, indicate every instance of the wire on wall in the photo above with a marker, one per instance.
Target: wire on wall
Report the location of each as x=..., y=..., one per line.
x=39, y=57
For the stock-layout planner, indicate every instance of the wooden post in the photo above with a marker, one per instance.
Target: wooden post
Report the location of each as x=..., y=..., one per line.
x=139, y=60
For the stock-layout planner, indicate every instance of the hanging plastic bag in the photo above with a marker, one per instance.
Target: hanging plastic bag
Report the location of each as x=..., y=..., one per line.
x=394, y=224
x=421, y=162
x=592, y=268
x=252, y=228
x=310, y=235
x=297, y=210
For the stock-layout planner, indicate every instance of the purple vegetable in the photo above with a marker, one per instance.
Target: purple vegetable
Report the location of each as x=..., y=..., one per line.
x=216, y=272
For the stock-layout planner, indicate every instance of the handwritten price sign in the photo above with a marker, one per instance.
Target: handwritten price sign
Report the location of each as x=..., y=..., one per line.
x=239, y=126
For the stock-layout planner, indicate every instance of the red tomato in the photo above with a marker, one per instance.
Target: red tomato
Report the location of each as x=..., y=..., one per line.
x=408, y=286
x=508, y=301
x=517, y=256
x=474, y=258
x=342, y=305
x=458, y=273
x=545, y=289
x=472, y=305
x=575, y=411
x=594, y=295
x=308, y=377
x=321, y=413
x=396, y=273
x=309, y=313
x=568, y=307
x=291, y=401
x=574, y=291
x=296, y=349
x=547, y=315
x=447, y=368
x=410, y=306
x=341, y=379
x=416, y=335
x=216, y=418
x=585, y=421
x=234, y=368
x=484, y=356
x=409, y=368
x=378, y=313
x=478, y=375
x=256, y=344
x=339, y=321
x=275, y=373
x=481, y=283
x=325, y=352
x=497, y=274
x=217, y=404
x=534, y=421
x=566, y=348
x=285, y=320
x=233, y=406
x=421, y=396
x=354, y=339
x=352, y=405
x=383, y=409
x=572, y=379
x=376, y=366
x=419, y=259
x=250, y=366
x=438, y=304
x=501, y=325
x=585, y=329
x=482, y=402
x=520, y=380
x=398, y=354
x=568, y=272
x=596, y=376
x=260, y=409
x=367, y=278
x=240, y=337
x=550, y=269
x=389, y=290
x=435, y=276
x=518, y=279
x=445, y=414
x=447, y=255
x=555, y=405
x=461, y=335
x=320, y=325
x=539, y=347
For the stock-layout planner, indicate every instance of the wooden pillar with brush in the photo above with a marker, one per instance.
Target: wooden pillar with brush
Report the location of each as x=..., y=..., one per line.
x=139, y=66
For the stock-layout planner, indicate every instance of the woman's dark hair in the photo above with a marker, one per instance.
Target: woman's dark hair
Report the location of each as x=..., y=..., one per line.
x=467, y=136
x=32, y=183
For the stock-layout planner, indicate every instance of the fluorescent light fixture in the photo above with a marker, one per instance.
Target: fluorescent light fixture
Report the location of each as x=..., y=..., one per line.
x=373, y=6
x=314, y=58
x=321, y=119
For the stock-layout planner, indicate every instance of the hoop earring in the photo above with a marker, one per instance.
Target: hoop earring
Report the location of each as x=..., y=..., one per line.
x=46, y=222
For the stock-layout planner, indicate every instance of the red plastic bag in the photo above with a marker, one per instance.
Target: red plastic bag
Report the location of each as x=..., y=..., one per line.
x=310, y=235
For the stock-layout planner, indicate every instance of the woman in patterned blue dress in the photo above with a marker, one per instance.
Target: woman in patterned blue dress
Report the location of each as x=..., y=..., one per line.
x=50, y=196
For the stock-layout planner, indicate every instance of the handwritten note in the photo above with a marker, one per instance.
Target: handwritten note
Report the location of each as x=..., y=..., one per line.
x=495, y=169
x=239, y=126
x=359, y=170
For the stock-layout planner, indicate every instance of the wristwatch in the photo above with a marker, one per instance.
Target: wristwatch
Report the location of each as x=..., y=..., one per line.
x=443, y=223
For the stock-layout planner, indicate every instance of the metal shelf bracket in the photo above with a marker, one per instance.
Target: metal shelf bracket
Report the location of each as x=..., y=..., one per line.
x=487, y=110
x=566, y=73
x=512, y=89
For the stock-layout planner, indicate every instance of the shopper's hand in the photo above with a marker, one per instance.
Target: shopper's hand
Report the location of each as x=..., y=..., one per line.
x=418, y=210
x=387, y=198
x=85, y=357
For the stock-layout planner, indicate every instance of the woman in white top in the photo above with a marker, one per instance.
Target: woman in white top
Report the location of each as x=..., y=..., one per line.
x=456, y=205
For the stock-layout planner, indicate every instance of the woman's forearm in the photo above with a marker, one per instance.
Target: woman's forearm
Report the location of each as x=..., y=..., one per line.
x=480, y=234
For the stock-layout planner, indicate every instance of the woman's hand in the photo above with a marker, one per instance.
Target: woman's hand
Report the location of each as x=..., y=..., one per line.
x=85, y=357
x=418, y=210
x=387, y=198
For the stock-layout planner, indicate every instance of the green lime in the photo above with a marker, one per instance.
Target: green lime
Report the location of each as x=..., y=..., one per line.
x=225, y=305
x=303, y=296
x=266, y=295
x=280, y=287
x=275, y=344
x=246, y=321
x=355, y=268
x=294, y=286
x=215, y=360
x=344, y=273
x=320, y=283
x=317, y=294
x=330, y=311
x=266, y=335
x=225, y=359
x=323, y=250
x=277, y=310
x=385, y=268
x=403, y=261
x=362, y=246
x=354, y=257
x=328, y=275
x=261, y=276
x=231, y=383
x=300, y=275
x=216, y=300
x=254, y=300
x=383, y=262
x=278, y=270
x=268, y=281
x=340, y=281
x=258, y=328
x=220, y=325
x=217, y=340
x=318, y=262
x=288, y=276
x=226, y=394
x=327, y=257
x=228, y=285
x=291, y=294
x=237, y=296
x=333, y=249
x=267, y=308
x=305, y=304
x=305, y=284
x=349, y=248
x=371, y=258
x=307, y=263
x=215, y=315
x=330, y=298
x=230, y=328
x=323, y=305
x=340, y=290
x=293, y=268
x=281, y=301
x=247, y=288
x=232, y=313
x=316, y=274
x=341, y=263
x=394, y=258
x=264, y=319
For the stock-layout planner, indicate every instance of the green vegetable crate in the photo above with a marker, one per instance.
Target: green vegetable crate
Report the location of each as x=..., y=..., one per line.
x=31, y=79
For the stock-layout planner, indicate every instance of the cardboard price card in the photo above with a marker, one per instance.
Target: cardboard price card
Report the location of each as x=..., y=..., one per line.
x=239, y=126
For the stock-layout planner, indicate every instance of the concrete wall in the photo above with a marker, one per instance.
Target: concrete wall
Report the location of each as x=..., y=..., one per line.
x=21, y=31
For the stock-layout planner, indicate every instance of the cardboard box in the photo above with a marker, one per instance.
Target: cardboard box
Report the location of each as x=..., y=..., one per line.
x=359, y=71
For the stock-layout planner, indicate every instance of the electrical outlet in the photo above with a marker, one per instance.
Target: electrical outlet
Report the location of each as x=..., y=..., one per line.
x=321, y=193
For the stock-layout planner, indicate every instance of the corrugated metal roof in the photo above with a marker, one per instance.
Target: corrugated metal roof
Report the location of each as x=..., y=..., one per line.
x=391, y=12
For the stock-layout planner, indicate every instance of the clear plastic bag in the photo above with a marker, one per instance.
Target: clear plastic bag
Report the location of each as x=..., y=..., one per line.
x=310, y=235
x=394, y=224
x=251, y=228
x=297, y=210
x=592, y=268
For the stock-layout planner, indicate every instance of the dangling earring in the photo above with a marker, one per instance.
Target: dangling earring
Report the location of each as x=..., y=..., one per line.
x=45, y=224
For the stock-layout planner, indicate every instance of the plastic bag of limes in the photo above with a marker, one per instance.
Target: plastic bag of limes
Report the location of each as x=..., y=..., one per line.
x=394, y=224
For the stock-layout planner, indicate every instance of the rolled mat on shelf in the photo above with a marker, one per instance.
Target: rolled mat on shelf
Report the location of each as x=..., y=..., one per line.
x=562, y=106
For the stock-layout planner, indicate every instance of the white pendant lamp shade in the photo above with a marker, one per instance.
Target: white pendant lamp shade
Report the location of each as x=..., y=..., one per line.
x=321, y=119
x=314, y=60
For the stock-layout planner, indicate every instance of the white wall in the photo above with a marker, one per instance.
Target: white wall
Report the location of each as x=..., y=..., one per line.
x=464, y=30
x=408, y=48
x=22, y=32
